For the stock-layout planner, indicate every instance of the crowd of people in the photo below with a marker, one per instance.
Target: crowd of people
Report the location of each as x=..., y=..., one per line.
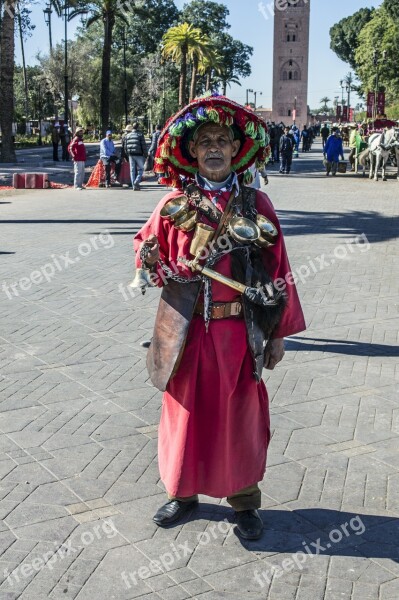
x=286, y=141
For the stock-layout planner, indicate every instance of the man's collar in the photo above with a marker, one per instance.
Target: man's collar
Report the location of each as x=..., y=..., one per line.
x=231, y=182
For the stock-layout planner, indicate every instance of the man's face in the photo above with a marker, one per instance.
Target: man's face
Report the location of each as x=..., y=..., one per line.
x=214, y=150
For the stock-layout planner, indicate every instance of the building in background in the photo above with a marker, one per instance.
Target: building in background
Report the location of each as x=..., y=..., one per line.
x=291, y=61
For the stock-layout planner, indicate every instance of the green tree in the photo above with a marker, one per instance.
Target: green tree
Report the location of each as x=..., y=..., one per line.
x=210, y=66
x=386, y=30
x=180, y=44
x=210, y=17
x=7, y=46
x=235, y=59
x=324, y=102
x=392, y=8
x=344, y=35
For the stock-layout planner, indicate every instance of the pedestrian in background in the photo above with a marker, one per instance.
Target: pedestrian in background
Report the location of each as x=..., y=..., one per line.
x=279, y=131
x=65, y=139
x=153, y=147
x=55, y=138
x=333, y=150
x=324, y=132
x=136, y=149
x=305, y=139
x=108, y=157
x=78, y=152
x=286, y=151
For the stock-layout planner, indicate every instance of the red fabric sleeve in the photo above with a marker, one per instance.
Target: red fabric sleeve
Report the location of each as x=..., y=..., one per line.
x=277, y=264
x=172, y=243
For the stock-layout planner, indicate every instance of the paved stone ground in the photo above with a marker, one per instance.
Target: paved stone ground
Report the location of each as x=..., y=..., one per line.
x=79, y=418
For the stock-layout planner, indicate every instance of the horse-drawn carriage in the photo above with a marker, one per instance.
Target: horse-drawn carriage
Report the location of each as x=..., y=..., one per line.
x=380, y=149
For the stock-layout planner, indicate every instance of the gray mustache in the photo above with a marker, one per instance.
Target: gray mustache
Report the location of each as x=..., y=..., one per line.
x=214, y=155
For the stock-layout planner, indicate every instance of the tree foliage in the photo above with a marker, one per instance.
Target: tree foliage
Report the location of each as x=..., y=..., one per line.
x=392, y=8
x=386, y=30
x=210, y=17
x=344, y=35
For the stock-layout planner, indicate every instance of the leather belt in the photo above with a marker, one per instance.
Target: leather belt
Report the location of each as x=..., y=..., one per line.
x=221, y=310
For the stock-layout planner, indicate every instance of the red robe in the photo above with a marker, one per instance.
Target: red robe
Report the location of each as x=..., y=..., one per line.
x=215, y=426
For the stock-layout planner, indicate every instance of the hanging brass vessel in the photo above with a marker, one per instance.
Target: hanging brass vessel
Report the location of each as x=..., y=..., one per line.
x=175, y=208
x=268, y=232
x=243, y=230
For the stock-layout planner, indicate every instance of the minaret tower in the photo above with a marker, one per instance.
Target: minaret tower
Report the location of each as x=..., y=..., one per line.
x=290, y=61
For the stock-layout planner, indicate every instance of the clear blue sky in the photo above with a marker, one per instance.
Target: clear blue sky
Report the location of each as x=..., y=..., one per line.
x=248, y=25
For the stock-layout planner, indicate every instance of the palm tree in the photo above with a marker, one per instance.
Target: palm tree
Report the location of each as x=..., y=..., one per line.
x=324, y=101
x=107, y=11
x=197, y=54
x=184, y=43
x=226, y=78
x=209, y=65
x=7, y=83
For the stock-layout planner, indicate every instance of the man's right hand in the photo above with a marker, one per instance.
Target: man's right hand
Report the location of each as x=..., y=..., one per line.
x=153, y=255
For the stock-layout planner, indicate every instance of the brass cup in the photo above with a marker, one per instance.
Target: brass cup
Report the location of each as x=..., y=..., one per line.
x=268, y=231
x=202, y=236
x=243, y=230
x=187, y=221
x=175, y=208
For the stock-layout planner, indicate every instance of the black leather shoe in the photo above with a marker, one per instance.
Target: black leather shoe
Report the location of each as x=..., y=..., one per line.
x=173, y=511
x=249, y=524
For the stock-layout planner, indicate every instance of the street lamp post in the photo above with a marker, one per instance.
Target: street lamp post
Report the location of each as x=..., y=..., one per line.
x=376, y=63
x=47, y=17
x=124, y=73
x=164, y=93
x=348, y=90
x=342, y=90
x=248, y=90
x=66, y=92
x=295, y=99
x=260, y=93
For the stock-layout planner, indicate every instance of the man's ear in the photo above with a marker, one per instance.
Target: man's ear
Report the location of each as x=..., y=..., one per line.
x=192, y=150
x=236, y=146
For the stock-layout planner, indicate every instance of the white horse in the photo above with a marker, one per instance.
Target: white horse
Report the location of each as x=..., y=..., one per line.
x=380, y=146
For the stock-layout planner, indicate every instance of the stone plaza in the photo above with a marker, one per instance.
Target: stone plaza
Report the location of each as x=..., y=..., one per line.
x=78, y=422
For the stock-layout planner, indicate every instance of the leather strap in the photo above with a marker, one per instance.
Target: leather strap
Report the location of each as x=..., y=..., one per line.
x=221, y=310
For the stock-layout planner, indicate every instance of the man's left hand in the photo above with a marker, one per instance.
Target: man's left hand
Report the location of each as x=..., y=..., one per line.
x=274, y=353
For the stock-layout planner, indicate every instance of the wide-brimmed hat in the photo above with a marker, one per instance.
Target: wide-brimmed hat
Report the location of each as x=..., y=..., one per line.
x=128, y=128
x=78, y=130
x=173, y=158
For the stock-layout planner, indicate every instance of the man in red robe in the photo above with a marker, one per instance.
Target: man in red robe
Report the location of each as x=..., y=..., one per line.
x=205, y=356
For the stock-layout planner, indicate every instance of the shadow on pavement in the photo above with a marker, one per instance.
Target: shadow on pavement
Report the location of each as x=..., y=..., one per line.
x=376, y=226
x=314, y=531
x=340, y=347
x=331, y=532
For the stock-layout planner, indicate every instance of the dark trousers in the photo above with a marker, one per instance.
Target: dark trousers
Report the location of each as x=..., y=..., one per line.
x=286, y=161
x=324, y=140
x=107, y=162
x=65, y=153
x=352, y=156
x=55, y=151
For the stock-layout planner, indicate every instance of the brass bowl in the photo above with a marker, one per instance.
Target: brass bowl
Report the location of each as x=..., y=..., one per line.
x=267, y=229
x=243, y=230
x=175, y=208
x=187, y=221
